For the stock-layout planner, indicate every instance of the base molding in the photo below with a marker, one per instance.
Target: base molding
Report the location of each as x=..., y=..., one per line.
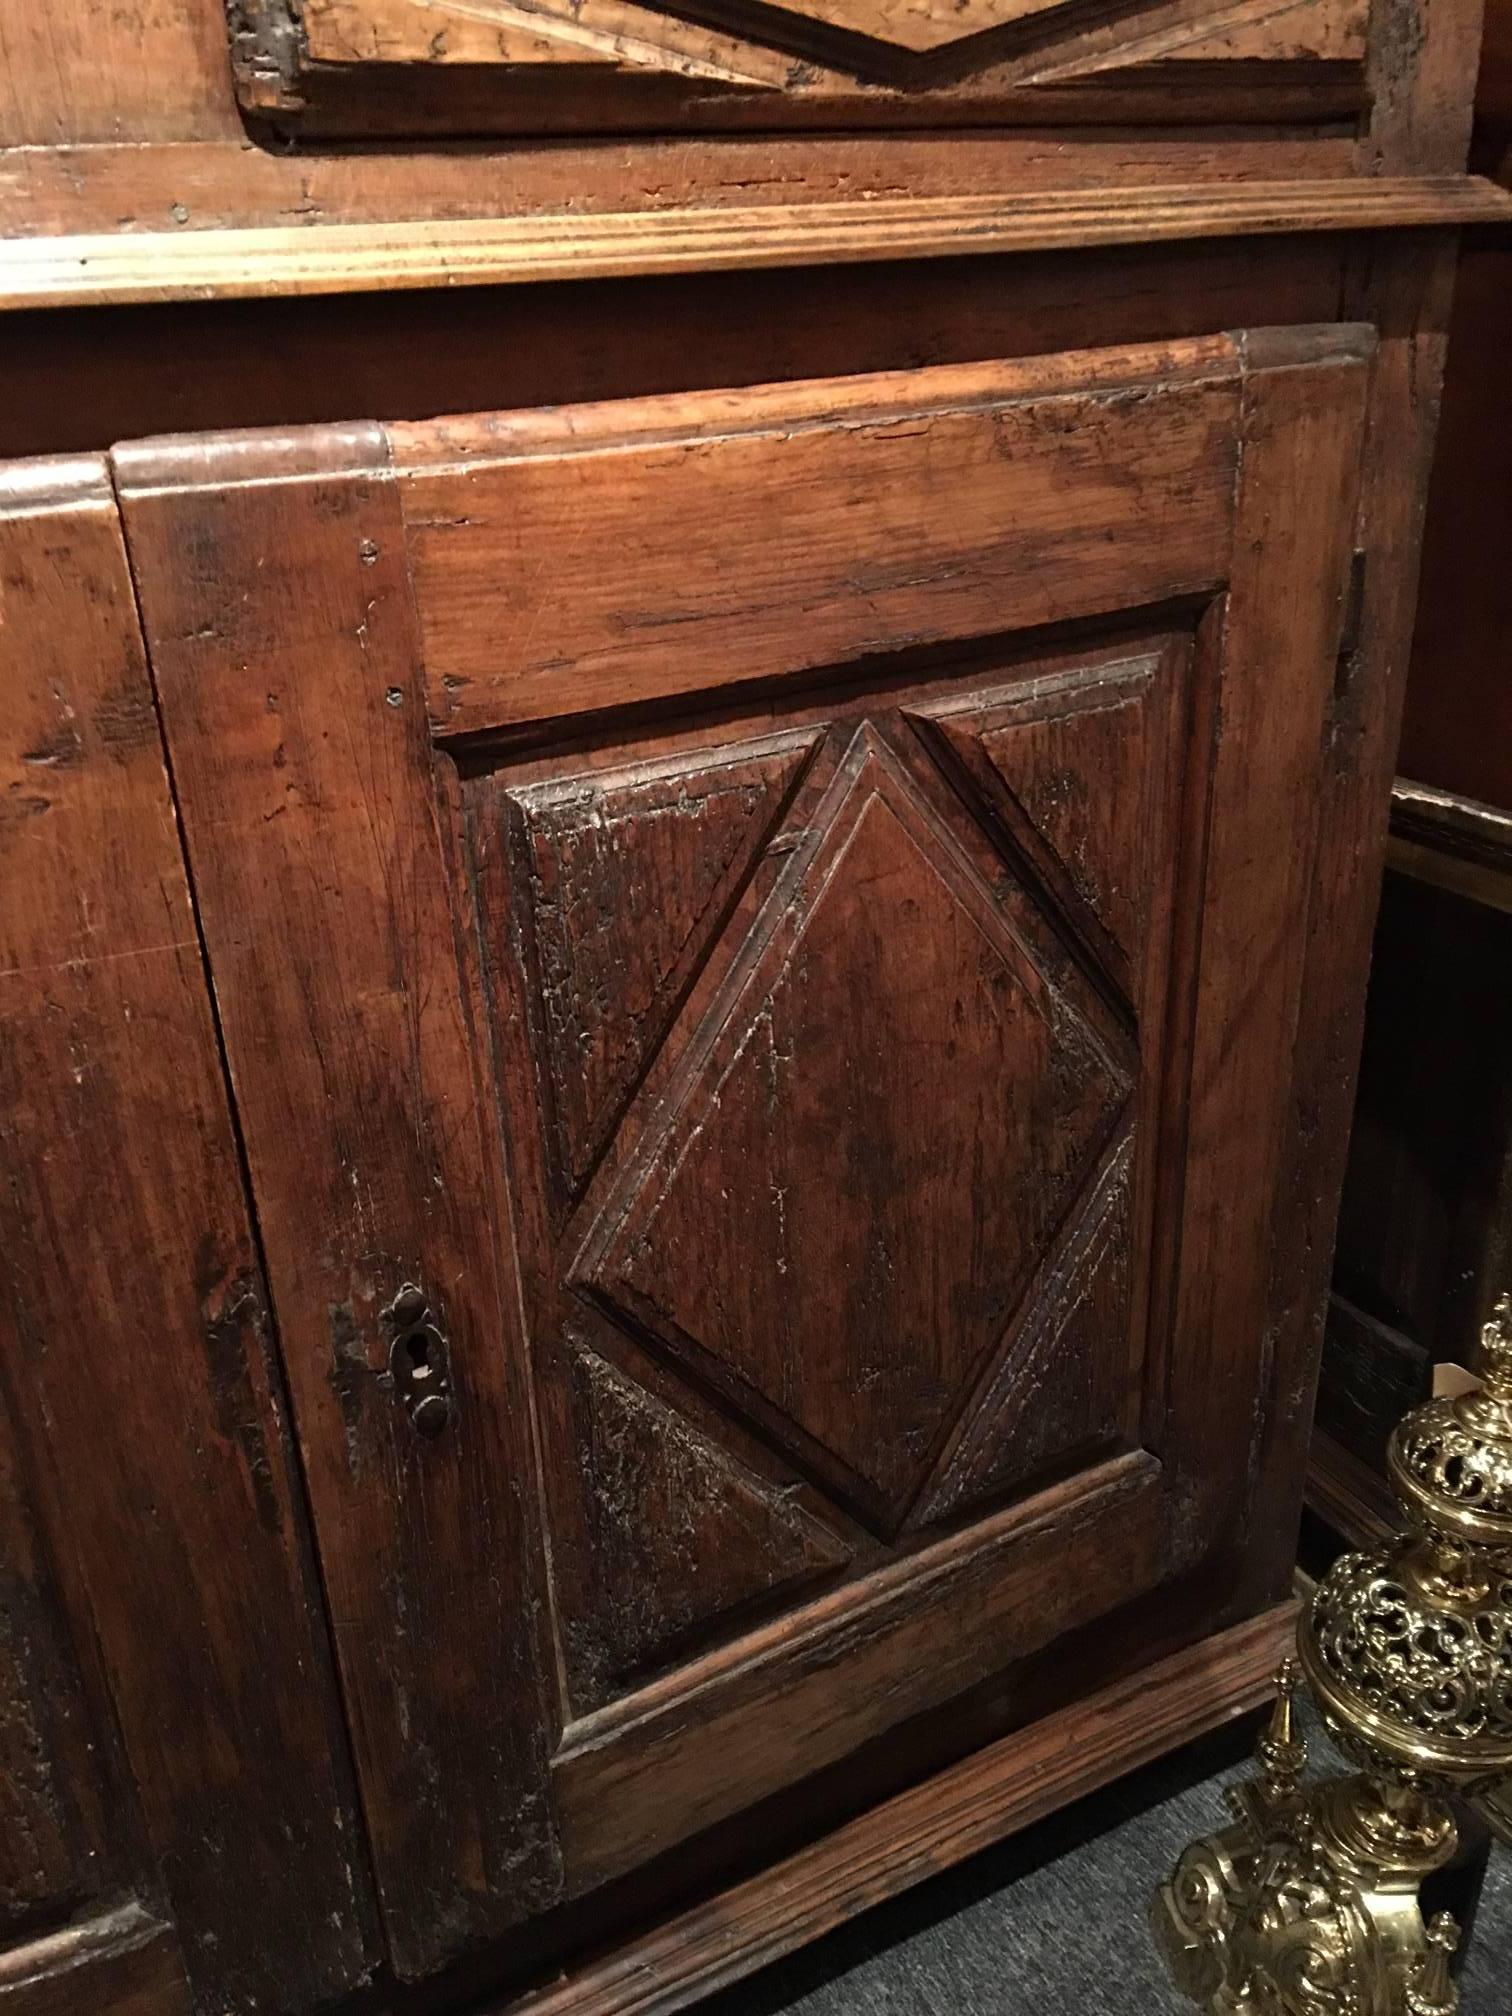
x=974, y=1804
x=123, y=1962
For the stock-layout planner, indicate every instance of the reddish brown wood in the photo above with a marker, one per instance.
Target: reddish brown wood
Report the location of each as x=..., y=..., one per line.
x=413, y=355
x=289, y=673
x=902, y=938
x=1275, y=656
x=1423, y=70
x=136, y=1344
x=797, y=480
x=905, y=1840
x=55, y=1843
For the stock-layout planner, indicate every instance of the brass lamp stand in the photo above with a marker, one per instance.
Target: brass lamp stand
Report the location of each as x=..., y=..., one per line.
x=1309, y=1905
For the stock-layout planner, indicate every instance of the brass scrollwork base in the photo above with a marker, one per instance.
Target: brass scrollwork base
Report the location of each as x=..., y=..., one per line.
x=1308, y=1904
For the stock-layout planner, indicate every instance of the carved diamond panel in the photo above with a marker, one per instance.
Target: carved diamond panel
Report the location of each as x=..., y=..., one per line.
x=882, y=1133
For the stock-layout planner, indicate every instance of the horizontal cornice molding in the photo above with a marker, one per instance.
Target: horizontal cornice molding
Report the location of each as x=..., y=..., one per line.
x=267, y=262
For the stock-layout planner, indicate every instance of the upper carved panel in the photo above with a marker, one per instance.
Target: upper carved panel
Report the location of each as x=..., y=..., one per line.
x=501, y=65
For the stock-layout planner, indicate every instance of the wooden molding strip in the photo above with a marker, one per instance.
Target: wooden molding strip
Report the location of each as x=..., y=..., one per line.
x=122, y=1963
x=113, y=267
x=1453, y=842
x=921, y=1832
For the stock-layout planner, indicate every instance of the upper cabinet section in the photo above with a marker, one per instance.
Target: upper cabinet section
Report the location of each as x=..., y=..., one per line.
x=391, y=67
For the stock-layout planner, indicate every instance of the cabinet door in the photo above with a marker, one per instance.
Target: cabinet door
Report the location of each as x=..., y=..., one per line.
x=758, y=941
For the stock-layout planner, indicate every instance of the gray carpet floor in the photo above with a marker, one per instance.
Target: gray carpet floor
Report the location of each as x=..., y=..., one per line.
x=1056, y=1921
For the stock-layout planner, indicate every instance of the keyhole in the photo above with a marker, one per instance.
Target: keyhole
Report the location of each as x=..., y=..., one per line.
x=417, y=1350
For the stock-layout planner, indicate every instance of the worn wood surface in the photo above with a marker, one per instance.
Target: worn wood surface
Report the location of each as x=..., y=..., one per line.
x=122, y=1963
x=132, y=1296
x=1423, y=67
x=1004, y=1787
x=1302, y=432
x=704, y=1097
x=400, y=66
x=56, y=1845
x=415, y=354
x=282, y=642
x=104, y=267
x=798, y=480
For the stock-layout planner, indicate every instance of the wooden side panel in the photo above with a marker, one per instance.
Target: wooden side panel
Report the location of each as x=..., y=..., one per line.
x=1423, y=67
x=551, y=567
x=279, y=621
x=1275, y=651
x=131, y=1293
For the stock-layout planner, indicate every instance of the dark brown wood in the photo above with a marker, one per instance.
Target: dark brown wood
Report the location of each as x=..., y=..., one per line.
x=1001, y=1789
x=121, y=1963
x=795, y=1135
x=288, y=667
x=879, y=957
x=1422, y=69
x=417, y=354
x=137, y=1354
x=1348, y=1495
x=55, y=1846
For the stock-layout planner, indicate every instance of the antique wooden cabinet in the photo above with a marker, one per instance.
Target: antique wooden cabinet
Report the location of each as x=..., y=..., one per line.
x=699, y=711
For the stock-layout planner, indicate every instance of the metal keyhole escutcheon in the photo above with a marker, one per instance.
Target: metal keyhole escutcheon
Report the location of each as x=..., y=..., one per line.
x=418, y=1361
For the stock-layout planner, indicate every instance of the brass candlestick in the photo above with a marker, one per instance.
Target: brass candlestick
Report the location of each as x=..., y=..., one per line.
x=1309, y=1904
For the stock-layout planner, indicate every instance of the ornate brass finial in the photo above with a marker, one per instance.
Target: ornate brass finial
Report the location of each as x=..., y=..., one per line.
x=1282, y=1752
x=1308, y=1905
x=1432, y=1992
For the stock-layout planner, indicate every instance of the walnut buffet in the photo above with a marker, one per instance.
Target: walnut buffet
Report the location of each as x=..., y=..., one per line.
x=699, y=714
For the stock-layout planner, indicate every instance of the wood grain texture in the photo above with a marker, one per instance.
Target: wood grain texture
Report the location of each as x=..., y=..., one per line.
x=417, y=353
x=284, y=260
x=860, y=1324
x=919, y=1833
x=865, y=982
x=55, y=1844
x=422, y=65
x=132, y=1293
x=122, y=1963
x=796, y=481
x=1423, y=68
x=1302, y=433
x=232, y=183
x=280, y=626
x=629, y=1783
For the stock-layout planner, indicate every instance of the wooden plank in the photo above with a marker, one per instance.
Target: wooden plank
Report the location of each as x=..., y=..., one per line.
x=1423, y=67
x=132, y=1294
x=930, y=1828
x=1304, y=406
x=198, y=185
x=56, y=1846
x=632, y=1779
x=279, y=620
x=288, y=259
x=1453, y=843
x=551, y=563
x=122, y=1963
